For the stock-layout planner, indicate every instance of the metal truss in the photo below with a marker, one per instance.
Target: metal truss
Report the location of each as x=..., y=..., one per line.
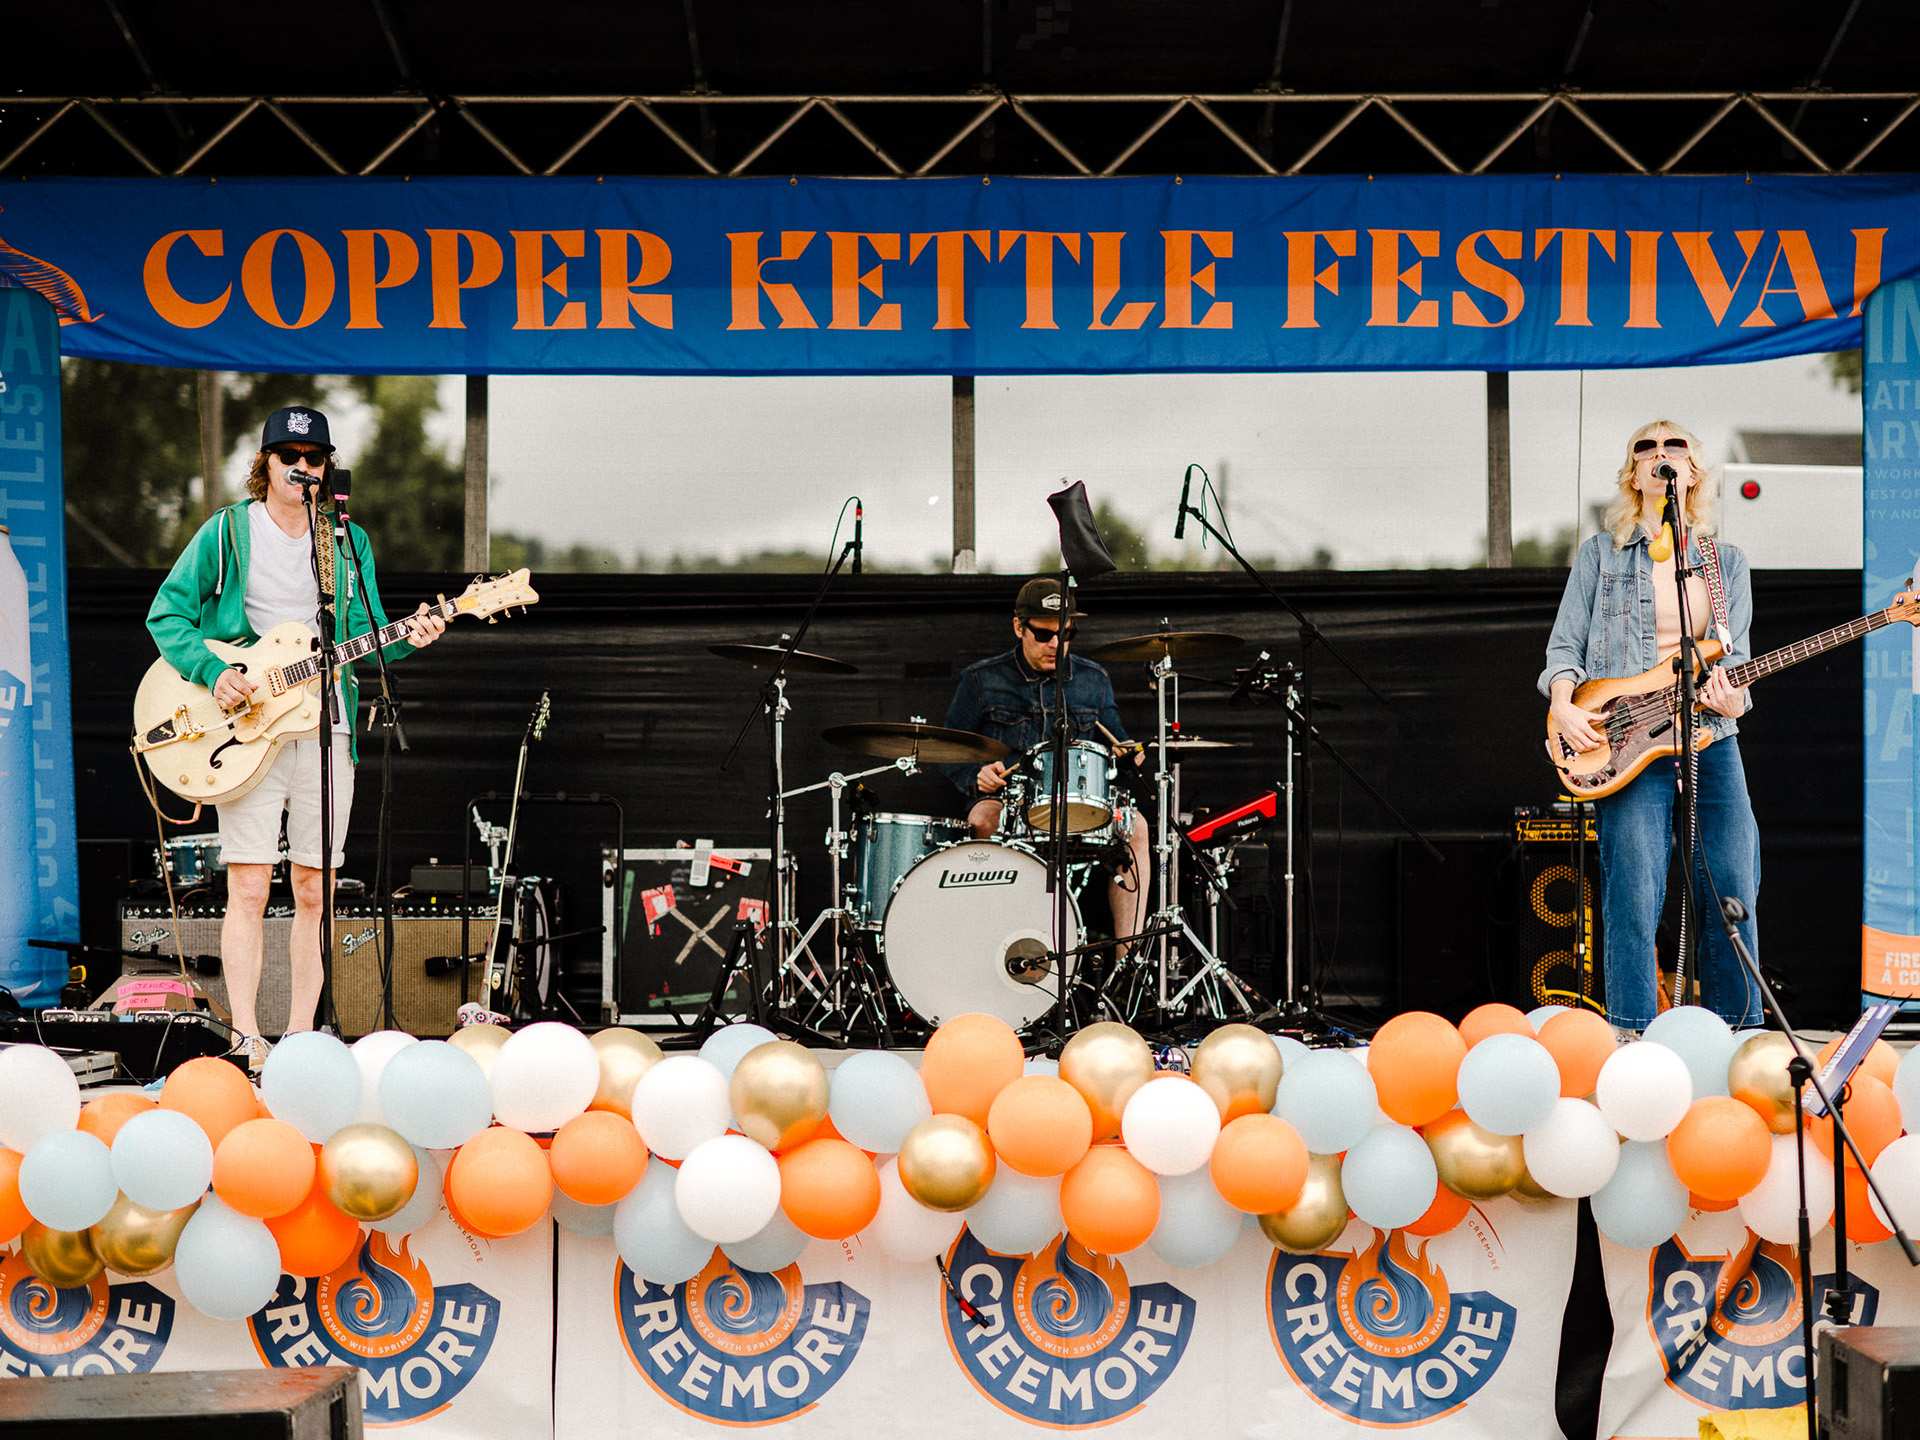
x=1237, y=151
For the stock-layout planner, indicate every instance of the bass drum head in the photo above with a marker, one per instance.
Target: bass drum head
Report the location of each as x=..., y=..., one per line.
x=969, y=928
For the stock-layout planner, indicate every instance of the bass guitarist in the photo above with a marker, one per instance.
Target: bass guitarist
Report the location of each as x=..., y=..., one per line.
x=249, y=568
x=1619, y=616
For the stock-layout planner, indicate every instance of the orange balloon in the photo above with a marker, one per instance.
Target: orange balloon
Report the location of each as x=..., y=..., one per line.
x=461, y=1220
x=1040, y=1125
x=263, y=1168
x=316, y=1238
x=968, y=1061
x=1415, y=1063
x=597, y=1157
x=1259, y=1164
x=829, y=1188
x=1447, y=1209
x=1110, y=1201
x=103, y=1118
x=1871, y=1113
x=501, y=1181
x=1580, y=1043
x=1721, y=1148
x=13, y=1210
x=1710, y=1207
x=1881, y=1062
x=1863, y=1226
x=216, y=1094
x=1494, y=1020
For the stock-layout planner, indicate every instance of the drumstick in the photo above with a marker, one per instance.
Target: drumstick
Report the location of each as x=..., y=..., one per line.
x=1140, y=751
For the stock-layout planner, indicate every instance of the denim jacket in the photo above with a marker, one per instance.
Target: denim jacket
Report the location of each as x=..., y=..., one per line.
x=1605, y=625
x=1001, y=698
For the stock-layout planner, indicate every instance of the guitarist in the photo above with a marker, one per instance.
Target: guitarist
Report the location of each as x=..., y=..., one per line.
x=1619, y=616
x=250, y=568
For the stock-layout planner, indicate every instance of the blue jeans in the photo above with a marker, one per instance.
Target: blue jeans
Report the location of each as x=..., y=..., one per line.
x=1636, y=849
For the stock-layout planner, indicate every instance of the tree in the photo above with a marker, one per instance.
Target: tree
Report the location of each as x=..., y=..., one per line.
x=411, y=496
x=1843, y=367
x=1546, y=552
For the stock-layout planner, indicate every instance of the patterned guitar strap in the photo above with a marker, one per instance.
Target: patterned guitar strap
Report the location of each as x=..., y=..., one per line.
x=1717, y=595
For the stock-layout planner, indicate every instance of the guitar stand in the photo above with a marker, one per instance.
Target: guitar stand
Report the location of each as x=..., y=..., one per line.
x=742, y=959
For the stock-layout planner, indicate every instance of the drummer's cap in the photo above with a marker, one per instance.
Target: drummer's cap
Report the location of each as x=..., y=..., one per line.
x=1040, y=600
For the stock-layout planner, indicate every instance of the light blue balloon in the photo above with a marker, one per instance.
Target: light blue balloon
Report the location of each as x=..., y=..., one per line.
x=66, y=1180
x=1389, y=1177
x=1702, y=1039
x=1906, y=1089
x=875, y=1099
x=1644, y=1203
x=1509, y=1084
x=728, y=1045
x=650, y=1235
x=312, y=1082
x=226, y=1264
x=435, y=1095
x=779, y=1243
x=580, y=1219
x=162, y=1159
x=1018, y=1214
x=424, y=1203
x=1327, y=1096
x=1290, y=1050
x=1196, y=1226
x=1540, y=1014
x=1040, y=1065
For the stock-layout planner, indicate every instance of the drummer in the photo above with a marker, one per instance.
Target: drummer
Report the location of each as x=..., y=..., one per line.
x=1009, y=697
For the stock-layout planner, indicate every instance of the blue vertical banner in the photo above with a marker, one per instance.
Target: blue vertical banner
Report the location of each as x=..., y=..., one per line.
x=39, y=856
x=1890, y=405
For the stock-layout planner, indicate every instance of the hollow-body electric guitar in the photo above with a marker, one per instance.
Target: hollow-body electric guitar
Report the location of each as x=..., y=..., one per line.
x=209, y=755
x=1640, y=713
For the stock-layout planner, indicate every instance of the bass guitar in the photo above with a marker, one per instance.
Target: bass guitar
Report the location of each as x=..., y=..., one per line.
x=1639, y=714
x=209, y=755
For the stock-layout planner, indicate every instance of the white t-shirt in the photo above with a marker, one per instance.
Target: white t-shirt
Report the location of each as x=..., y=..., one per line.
x=280, y=583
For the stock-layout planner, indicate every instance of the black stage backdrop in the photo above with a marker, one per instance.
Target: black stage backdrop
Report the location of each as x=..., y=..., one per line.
x=641, y=711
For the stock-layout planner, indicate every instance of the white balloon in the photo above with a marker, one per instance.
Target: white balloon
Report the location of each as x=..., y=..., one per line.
x=543, y=1077
x=1018, y=1214
x=227, y=1265
x=570, y=1215
x=904, y=1229
x=1772, y=1208
x=779, y=1243
x=425, y=1201
x=371, y=1053
x=1644, y=1090
x=728, y=1046
x=875, y=1099
x=1389, y=1177
x=38, y=1096
x=728, y=1188
x=66, y=1180
x=312, y=1082
x=1329, y=1097
x=1896, y=1170
x=1508, y=1084
x=680, y=1102
x=1170, y=1124
x=1574, y=1153
x=162, y=1159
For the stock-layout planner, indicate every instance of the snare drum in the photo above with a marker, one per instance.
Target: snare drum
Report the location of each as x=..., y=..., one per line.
x=188, y=860
x=970, y=928
x=1090, y=799
x=885, y=847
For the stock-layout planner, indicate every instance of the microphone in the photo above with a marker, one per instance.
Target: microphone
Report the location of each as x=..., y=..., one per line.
x=859, y=510
x=1180, y=524
x=1666, y=472
x=1250, y=676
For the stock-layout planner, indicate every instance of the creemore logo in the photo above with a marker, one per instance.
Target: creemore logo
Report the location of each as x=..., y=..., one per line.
x=1728, y=1326
x=1379, y=1337
x=417, y=1346
x=93, y=1329
x=739, y=1346
x=1062, y=1338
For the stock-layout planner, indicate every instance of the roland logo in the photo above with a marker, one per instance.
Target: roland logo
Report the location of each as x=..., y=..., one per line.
x=956, y=879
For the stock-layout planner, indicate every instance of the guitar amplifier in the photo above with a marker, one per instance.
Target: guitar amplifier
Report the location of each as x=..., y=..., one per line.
x=680, y=908
x=1869, y=1383
x=426, y=969
x=1557, y=939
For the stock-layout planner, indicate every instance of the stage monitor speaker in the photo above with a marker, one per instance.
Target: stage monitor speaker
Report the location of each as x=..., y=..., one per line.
x=1453, y=945
x=319, y=1402
x=1870, y=1383
x=1556, y=904
x=425, y=996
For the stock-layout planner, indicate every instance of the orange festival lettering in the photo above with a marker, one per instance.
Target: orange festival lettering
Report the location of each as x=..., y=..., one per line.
x=530, y=282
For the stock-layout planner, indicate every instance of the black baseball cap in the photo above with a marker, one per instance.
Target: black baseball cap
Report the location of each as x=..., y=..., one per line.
x=1040, y=600
x=296, y=425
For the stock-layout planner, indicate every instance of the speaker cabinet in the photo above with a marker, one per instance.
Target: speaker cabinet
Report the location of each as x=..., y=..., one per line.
x=316, y=1403
x=1869, y=1383
x=1556, y=906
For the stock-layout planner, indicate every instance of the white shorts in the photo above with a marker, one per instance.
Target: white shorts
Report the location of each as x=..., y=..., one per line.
x=250, y=826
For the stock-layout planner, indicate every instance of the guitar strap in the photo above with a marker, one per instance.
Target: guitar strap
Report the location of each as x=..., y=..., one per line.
x=1716, y=593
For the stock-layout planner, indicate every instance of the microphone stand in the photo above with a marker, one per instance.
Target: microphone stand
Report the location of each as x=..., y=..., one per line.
x=1057, y=745
x=1688, y=759
x=329, y=692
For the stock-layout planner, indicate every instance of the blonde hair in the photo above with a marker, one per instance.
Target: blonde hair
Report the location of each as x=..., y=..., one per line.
x=257, y=481
x=1702, y=501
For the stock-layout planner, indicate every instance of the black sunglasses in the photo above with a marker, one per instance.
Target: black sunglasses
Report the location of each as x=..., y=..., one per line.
x=287, y=455
x=1673, y=444
x=1043, y=635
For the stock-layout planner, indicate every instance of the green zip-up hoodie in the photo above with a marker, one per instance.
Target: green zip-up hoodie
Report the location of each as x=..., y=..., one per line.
x=204, y=597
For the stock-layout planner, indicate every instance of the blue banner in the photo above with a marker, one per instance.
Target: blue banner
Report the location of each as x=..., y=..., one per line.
x=39, y=859
x=961, y=276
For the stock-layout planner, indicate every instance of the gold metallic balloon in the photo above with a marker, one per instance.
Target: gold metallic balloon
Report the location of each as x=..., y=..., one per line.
x=1529, y=1188
x=62, y=1258
x=1757, y=1076
x=482, y=1042
x=136, y=1241
x=1106, y=1063
x=368, y=1171
x=1473, y=1162
x=625, y=1055
x=946, y=1163
x=1315, y=1220
x=779, y=1094
x=1239, y=1067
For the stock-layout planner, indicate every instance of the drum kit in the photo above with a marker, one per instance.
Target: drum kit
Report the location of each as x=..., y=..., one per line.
x=927, y=919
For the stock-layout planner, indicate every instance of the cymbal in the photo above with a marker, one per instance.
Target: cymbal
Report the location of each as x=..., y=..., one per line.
x=930, y=744
x=1195, y=742
x=1180, y=644
x=766, y=656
